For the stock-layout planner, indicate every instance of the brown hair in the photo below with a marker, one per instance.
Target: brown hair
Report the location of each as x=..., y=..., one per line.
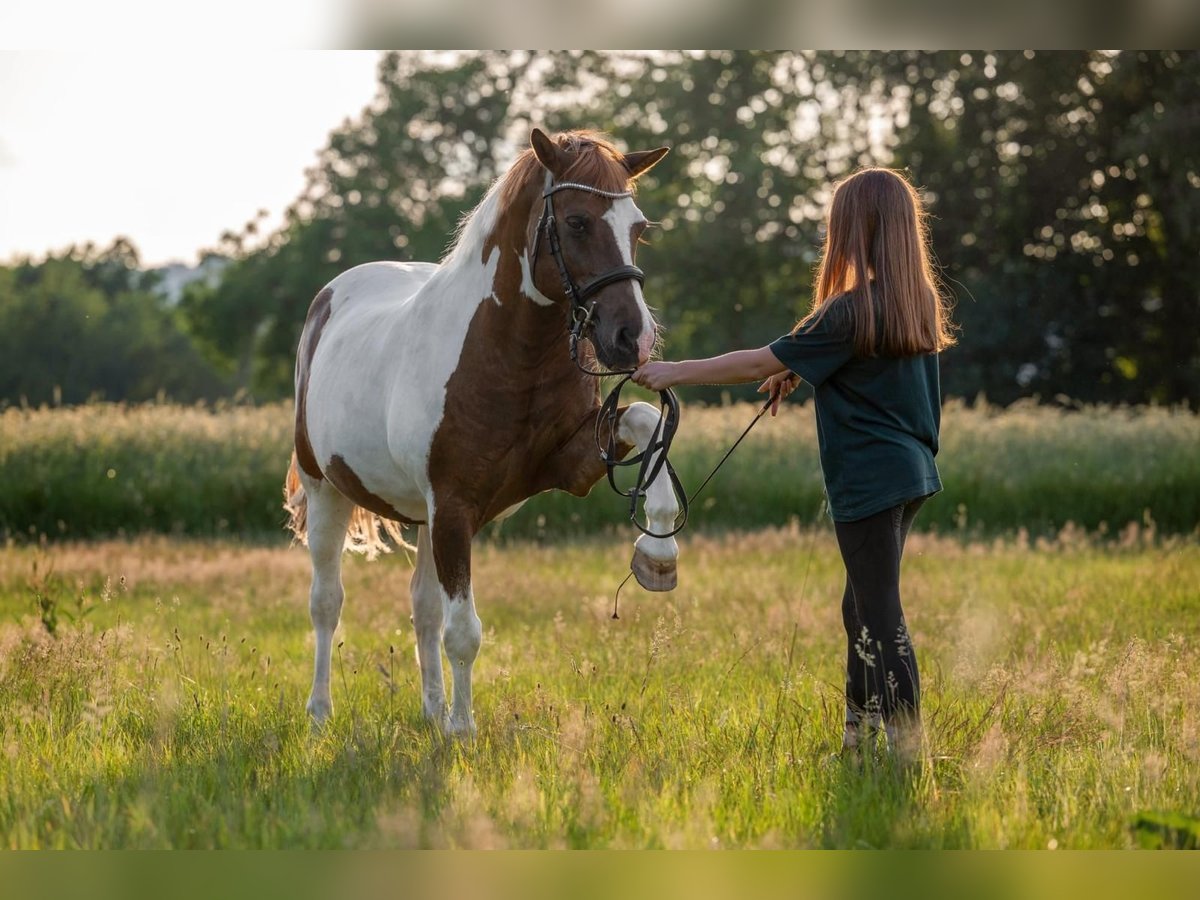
x=597, y=162
x=877, y=229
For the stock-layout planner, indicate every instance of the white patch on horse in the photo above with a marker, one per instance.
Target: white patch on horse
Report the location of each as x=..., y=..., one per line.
x=528, y=288
x=621, y=217
x=394, y=338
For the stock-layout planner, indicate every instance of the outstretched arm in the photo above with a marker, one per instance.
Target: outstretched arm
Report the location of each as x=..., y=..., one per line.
x=729, y=368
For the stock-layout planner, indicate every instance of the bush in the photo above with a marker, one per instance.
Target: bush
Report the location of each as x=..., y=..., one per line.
x=107, y=469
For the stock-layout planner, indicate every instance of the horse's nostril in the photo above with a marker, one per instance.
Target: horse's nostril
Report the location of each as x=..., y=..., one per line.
x=625, y=341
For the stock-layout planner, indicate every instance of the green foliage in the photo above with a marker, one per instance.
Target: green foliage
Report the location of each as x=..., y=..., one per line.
x=85, y=324
x=1065, y=190
x=106, y=469
x=111, y=469
x=1063, y=187
x=390, y=185
x=1163, y=831
x=1059, y=702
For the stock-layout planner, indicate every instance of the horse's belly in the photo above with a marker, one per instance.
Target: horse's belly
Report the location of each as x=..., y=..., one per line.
x=380, y=488
x=510, y=511
x=377, y=383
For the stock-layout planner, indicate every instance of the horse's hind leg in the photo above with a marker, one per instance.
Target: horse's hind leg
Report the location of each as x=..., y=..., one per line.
x=328, y=518
x=427, y=615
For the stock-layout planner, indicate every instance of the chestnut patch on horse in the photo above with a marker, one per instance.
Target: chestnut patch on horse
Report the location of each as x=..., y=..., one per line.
x=342, y=477
x=510, y=417
x=318, y=315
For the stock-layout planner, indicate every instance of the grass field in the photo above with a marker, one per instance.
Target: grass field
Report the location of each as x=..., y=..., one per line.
x=166, y=709
x=110, y=470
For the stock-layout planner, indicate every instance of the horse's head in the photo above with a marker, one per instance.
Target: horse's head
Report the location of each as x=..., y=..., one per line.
x=593, y=238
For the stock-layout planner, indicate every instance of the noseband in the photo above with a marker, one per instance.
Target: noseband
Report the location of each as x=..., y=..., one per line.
x=578, y=295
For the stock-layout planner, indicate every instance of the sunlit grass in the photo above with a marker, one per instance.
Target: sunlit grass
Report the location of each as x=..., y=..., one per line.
x=166, y=710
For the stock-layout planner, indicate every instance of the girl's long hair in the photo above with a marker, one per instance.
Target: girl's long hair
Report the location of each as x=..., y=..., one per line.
x=877, y=254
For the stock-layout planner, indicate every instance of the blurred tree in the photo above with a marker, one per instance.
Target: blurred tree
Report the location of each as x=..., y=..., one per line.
x=389, y=185
x=756, y=139
x=1065, y=197
x=1064, y=190
x=84, y=323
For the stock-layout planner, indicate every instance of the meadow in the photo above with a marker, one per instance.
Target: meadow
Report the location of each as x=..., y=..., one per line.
x=152, y=691
x=105, y=470
x=155, y=650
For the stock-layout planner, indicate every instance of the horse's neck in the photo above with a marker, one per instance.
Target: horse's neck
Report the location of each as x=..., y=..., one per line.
x=516, y=330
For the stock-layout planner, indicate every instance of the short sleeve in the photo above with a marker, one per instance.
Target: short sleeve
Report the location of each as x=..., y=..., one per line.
x=816, y=351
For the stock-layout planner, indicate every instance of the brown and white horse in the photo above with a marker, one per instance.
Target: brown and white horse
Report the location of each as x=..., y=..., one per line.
x=444, y=396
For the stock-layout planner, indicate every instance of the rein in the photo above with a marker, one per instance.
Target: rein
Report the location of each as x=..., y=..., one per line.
x=664, y=434
x=668, y=420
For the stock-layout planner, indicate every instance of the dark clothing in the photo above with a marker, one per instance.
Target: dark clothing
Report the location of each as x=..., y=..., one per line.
x=877, y=428
x=877, y=418
x=881, y=665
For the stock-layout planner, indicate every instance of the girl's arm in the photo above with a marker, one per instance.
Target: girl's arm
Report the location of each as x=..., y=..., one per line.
x=729, y=368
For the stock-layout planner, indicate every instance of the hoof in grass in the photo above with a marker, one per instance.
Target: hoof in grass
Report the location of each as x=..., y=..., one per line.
x=654, y=574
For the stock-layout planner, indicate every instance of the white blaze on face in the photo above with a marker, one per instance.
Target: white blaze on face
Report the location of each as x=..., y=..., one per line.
x=621, y=217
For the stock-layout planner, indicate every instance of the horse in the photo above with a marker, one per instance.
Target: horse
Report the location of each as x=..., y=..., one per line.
x=443, y=396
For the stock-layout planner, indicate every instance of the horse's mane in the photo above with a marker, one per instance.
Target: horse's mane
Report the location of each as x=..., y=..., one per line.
x=597, y=162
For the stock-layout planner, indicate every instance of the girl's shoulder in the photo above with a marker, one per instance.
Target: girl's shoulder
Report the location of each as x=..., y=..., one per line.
x=835, y=315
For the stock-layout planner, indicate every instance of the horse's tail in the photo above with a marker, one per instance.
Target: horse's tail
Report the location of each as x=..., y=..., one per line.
x=366, y=531
x=295, y=503
x=365, y=534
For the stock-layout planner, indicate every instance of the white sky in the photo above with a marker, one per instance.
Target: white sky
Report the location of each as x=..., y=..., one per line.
x=166, y=148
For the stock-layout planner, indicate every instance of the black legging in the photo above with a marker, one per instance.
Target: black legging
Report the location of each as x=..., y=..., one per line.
x=881, y=665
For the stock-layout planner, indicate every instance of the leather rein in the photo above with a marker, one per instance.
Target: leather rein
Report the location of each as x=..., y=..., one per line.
x=581, y=319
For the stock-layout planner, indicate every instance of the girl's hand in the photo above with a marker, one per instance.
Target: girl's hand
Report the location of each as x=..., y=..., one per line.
x=779, y=386
x=657, y=376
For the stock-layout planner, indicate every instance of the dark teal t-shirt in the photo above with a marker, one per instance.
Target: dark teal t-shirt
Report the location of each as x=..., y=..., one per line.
x=877, y=418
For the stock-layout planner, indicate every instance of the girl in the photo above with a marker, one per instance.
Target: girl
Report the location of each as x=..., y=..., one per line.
x=869, y=349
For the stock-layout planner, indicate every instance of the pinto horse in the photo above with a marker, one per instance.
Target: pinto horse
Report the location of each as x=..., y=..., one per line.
x=443, y=396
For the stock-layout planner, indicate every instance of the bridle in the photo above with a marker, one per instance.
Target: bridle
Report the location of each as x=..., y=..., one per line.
x=581, y=319
x=579, y=295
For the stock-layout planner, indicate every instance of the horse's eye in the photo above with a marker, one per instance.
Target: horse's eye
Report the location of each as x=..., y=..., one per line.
x=577, y=223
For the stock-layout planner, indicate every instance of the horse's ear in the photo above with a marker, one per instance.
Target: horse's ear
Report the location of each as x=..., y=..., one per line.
x=547, y=152
x=642, y=161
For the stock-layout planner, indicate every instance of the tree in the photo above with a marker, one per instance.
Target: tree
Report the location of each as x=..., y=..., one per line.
x=389, y=185
x=84, y=324
x=1063, y=187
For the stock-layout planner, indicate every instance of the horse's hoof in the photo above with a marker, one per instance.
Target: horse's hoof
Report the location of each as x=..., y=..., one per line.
x=320, y=711
x=654, y=574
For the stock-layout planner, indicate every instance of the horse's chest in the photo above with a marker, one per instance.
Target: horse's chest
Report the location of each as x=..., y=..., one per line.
x=488, y=465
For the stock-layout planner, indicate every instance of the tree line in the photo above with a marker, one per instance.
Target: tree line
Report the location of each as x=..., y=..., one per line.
x=1064, y=189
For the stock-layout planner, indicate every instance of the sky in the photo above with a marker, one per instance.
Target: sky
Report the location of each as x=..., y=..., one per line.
x=169, y=149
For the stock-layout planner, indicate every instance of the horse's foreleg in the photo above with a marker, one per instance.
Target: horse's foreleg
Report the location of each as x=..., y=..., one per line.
x=427, y=622
x=328, y=517
x=654, y=559
x=463, y=632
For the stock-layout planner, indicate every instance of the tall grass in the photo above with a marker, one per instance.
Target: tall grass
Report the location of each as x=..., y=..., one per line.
x=107, y=469
x=1059, y=697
